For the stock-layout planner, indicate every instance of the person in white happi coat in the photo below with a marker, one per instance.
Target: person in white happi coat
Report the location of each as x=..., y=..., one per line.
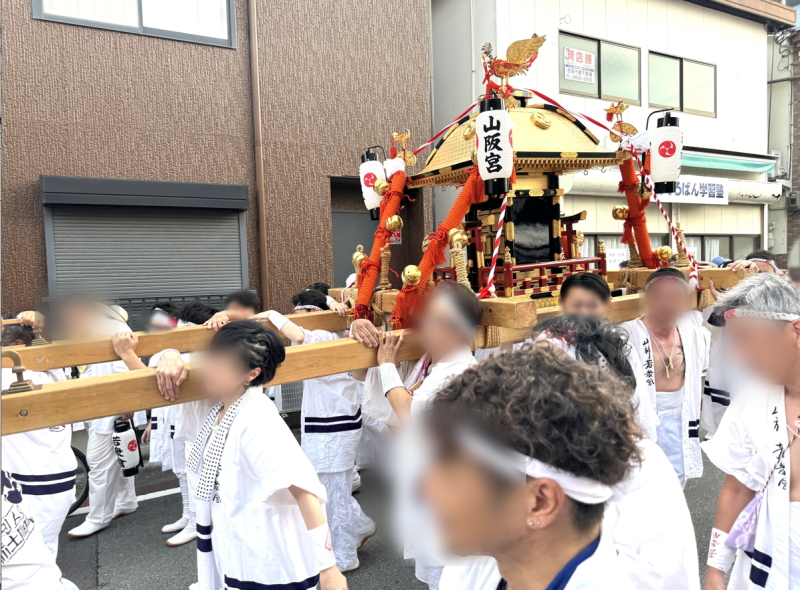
x=589, y=294
x=187, y=418
x=331, y=427
x=259, y=514
x=111, y=494
x=446, y=329
x=27, y=563
x=527, y=447
x=756, y=445
x=656, y=547
x=41, y=460
x=673, y=353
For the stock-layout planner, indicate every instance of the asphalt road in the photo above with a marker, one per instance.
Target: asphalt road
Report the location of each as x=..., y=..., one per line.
x=131, y=553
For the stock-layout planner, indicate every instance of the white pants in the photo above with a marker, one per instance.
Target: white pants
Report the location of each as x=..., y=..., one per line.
x=347, y=521
x=49, y=514
x=110, y=493
x=670, y=439
x=794, y=545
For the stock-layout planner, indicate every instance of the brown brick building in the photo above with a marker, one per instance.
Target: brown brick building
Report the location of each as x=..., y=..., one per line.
x=155, y=102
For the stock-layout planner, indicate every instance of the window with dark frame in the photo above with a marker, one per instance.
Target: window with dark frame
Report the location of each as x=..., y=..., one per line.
x=599, y=69
x=210, y=22
x=683, y=84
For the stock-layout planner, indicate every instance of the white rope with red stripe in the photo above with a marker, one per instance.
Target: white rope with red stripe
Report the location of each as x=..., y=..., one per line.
x=445, y=128
x=489, y=289
x=693, y=280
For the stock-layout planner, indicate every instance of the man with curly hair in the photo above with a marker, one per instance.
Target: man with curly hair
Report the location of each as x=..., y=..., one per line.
x=527, y=448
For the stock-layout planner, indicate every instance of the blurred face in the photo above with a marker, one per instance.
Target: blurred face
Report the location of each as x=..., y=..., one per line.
x=225, y=375
x=474, y=514
x=769, y=348
x=584, y=302
x=77, y=319
x=667, y=299
x=438, y=330
x=238, y=307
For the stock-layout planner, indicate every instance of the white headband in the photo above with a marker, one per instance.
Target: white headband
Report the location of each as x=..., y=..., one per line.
x=311, y=307
x=162, y=318
x=770, y=262
x=670, y=277
x=580, y=489
x=744, y=312
x=182, y=324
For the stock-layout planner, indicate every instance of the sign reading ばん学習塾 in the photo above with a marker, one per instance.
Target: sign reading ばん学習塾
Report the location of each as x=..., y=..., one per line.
x=698, y=190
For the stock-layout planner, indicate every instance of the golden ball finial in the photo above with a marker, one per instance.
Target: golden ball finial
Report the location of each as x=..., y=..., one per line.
x=620, y=212
x=358, y=257
x=411, y=275
x=664, y=253
x=380, y=186
x=457, y=237
x=394, y=223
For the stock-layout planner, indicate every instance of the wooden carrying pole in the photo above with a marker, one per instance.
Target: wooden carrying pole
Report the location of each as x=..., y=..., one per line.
x=85, y=399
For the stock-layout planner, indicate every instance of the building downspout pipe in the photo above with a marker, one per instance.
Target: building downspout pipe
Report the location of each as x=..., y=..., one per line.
x=259, y=156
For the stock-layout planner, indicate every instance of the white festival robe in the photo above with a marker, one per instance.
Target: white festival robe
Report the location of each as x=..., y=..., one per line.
x=648, y=521
x=257, y=534
x=601, y=571
x=415, y=521
x=26, y=562
x=43, y=464
x=695, y=343
x=164, y=448
x=746, y=446
x=330, y=415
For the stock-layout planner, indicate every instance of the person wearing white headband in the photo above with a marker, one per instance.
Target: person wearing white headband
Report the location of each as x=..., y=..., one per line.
x=260, y=520
x=331, y=427
x=527, y=447
x=673, y=353
x=756, y=445
x=656, y=547
x=110, y=493
x=446, y=328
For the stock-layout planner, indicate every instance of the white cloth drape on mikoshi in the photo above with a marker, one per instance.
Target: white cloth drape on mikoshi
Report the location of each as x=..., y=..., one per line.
x=746, y=446
x=695, y=342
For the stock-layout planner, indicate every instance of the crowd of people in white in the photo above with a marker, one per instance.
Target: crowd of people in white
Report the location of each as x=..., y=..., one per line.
x=552, y=464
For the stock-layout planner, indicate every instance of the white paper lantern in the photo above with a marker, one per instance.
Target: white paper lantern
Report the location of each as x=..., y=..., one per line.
x=495, y=154
x=126, y=448
x=666, y=147
x=370, y=172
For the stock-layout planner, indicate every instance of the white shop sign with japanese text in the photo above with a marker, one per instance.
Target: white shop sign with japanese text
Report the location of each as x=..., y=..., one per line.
x=579, y=65
x=698, y=190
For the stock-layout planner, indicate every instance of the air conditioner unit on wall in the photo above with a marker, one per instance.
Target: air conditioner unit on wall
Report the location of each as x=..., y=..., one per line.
x=793, y=202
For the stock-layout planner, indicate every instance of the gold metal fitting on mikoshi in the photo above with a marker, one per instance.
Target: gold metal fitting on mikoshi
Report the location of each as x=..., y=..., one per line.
x=579, y=238
x=664, y=253
x=541, y=120
x=359, y=257
x=620, y=212
x=457, y=237
x=643, y=191
x=411, y=275
x=409, y=157
x=394, y=223
x=380, y=186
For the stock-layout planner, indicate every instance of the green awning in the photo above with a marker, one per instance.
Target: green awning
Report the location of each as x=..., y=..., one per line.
x=724, y=163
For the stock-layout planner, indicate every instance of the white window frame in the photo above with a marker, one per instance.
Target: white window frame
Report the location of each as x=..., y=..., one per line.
x=230, y=42
x=600, y=94
x=683, y=108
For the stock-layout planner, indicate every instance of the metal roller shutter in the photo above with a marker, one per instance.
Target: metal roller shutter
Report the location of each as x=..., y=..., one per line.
x=122, y=251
